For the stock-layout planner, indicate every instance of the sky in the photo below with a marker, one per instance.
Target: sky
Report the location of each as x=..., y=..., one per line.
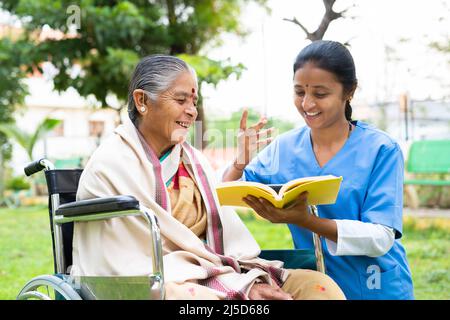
x=268, y=52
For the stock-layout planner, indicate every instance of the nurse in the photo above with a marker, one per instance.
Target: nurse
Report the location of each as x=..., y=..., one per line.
x=361, y=232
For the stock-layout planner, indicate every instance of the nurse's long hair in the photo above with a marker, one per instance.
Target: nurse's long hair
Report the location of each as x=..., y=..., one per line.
x=333, y=57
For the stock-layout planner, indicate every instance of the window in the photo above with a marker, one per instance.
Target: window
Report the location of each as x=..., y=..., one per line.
x=96, y=128
x=58, y=131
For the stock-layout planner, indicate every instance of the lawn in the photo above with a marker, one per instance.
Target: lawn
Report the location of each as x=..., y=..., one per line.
x=25, y=249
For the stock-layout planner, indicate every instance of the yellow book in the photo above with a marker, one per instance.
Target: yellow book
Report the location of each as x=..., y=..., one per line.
x=321, y=189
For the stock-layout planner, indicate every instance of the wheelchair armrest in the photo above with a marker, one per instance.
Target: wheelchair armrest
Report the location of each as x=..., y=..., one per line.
x=99, y=205
x=115, y=207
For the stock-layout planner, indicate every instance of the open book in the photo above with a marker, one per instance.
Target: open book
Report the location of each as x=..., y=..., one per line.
x=321, y=189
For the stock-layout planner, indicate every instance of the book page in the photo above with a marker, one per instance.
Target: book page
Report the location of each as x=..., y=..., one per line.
x=251, y=184
x=231, y=193
x=296, y=182
x=322, y=191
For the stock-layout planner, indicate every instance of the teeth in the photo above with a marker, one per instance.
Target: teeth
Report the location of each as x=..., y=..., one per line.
x=183, y=124
x=311, y=114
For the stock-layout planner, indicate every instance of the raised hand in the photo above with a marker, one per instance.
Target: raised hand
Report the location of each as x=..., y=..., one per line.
x=251, y=140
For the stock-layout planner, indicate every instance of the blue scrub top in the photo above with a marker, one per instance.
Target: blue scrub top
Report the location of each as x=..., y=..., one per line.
x=371, y=164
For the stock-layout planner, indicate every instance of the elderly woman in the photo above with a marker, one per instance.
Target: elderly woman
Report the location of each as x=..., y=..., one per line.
x=208, y=252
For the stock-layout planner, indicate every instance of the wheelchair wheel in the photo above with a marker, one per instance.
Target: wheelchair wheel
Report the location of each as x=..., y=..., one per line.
x=48, y=287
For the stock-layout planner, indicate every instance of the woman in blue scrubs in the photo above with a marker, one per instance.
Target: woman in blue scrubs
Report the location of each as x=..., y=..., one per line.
x=361, y=231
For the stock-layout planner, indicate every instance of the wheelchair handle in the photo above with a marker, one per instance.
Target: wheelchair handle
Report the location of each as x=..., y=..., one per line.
x=37, y=166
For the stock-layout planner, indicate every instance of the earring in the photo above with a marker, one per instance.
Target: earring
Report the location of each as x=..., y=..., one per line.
x=142, y=109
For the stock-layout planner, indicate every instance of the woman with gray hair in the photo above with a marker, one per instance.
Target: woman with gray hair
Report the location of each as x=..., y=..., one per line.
x=208, y=251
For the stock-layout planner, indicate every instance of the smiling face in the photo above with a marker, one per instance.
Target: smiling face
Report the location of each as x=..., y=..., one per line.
x=319, y=97
x=166, y=121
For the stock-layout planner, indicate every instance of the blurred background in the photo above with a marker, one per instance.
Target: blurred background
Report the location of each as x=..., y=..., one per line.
x=65, y=67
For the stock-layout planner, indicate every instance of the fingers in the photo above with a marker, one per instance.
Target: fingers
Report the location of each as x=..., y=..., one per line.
x=243, y=123
x=258, y=146
x=253, y=203
x=301, y=201
x=263, y=143
x=252, y=132
x=255, y=138
x=256, y=127
x=266, y=203
x=264, y=291
x=278, y=294
x=262, y=207
x=302, y=197
x=265, y=133
x=260, y=124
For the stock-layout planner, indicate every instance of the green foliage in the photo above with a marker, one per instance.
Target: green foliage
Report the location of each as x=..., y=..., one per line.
x=25, y=139
x=12, y=88
x=211, y=71
x=17, y=183
x=113, y=35
x=443, y=46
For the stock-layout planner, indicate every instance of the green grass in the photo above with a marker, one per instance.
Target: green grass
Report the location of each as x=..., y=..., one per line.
x=25, y=249
x=427, y=244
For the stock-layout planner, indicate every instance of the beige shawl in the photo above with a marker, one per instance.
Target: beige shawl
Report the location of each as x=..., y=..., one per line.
x=125, y=165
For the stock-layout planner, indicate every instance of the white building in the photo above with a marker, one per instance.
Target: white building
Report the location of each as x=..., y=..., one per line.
x=81, y=129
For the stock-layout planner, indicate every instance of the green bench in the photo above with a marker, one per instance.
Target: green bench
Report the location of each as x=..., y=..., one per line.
x=427, y=157
x=69, y=163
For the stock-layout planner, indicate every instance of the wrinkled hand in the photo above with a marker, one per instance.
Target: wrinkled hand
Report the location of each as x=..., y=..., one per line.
x=295, y=213
x=264, y=291
x=251, y=140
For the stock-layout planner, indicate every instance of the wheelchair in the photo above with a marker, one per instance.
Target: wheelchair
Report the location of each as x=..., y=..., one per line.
x=62, y=186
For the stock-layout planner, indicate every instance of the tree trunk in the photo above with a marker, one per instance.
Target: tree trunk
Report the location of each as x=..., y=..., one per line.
x=327, y=18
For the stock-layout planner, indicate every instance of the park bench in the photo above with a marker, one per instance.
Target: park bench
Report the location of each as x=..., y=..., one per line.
x=431, y=157
x=75, y=162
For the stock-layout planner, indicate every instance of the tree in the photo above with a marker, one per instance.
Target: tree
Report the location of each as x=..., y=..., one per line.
x=12, y=88
x=12, y=93
x=329, y=16
x=95, y=44
x=26, y=140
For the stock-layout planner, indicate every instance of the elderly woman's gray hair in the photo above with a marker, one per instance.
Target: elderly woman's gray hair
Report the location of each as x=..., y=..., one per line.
x=154, y=74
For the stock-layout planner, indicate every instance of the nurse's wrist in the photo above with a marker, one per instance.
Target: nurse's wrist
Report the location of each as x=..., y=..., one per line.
x=306, y=220
x=239, y=166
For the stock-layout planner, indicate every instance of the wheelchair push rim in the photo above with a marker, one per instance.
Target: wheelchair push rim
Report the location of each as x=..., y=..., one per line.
x=52, y=284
